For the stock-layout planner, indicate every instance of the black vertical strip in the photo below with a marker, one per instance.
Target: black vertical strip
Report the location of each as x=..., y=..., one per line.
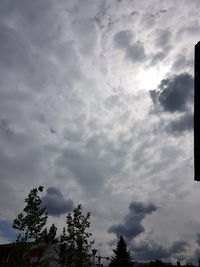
x=197, y=113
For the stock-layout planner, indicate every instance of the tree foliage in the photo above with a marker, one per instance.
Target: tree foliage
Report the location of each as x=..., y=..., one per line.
x=71, y=249
x=122, y=256
x=49, y=237
x=31, y=221
x=75, y=241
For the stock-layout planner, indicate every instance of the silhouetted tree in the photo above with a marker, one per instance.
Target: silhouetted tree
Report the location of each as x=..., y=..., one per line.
x=122, y=256
x=72, y=248
x=74, y=243
x=47, y=243
x=31, y=221
x=49, y=237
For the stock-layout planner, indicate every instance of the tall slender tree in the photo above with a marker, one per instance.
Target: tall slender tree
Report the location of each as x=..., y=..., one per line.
x=75, y=244
x=31, y=221
x=30, y=224
x=122, y=257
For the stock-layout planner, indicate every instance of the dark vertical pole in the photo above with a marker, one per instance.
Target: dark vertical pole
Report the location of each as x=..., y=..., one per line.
x=197, y=113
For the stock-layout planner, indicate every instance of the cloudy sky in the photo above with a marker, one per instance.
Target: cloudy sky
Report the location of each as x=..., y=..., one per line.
x=96, y=104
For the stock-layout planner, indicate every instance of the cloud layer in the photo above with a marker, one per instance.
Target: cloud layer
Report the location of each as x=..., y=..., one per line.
x=132, y=222
x=96, y=104
x=55, y=202
x=175, y=94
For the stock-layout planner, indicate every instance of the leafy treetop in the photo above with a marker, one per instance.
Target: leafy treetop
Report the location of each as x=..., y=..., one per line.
x=31, y=221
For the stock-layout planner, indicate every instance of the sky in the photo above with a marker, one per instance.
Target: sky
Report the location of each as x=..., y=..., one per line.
x=96, y=105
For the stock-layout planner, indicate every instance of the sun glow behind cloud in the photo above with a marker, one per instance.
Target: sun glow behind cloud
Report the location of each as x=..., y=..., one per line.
x=151, y=77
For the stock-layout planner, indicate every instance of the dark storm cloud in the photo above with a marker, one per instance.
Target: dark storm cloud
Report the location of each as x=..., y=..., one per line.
x=56, y=203
x=132, y=222
x=184, y=123
x=123, y=39
x=174, y=94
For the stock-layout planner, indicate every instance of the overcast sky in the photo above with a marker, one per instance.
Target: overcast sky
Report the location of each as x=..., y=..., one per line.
x=96, y=104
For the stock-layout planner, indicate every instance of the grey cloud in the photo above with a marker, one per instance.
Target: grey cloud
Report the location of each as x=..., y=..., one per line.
x=133, y=51
x=123, y=39
x=86, y=32
x=132, y=222
x=85, y=167
x=128, y=231
x=114, y=101
x=191, y=29
x=13, y=52
x=112, y=242
x=23, y=163
x=140, y=208
x=151, y=250
x=56, y=203
x=73, y=135
x=180, y=62
x=5, y=127
x=34, y=57
x=163, y=11
x=195, y=258
x=33, y=51
x=163, y=39
x=136, y=52
x=145, y=250
x=196, y=254
x=148, y=20
x=178, y=247
x=37, y=13
x=158, y=57
x=184, y=123
x=92, y=164
x=45, y=59
x=174, y=94
x=198, y=239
